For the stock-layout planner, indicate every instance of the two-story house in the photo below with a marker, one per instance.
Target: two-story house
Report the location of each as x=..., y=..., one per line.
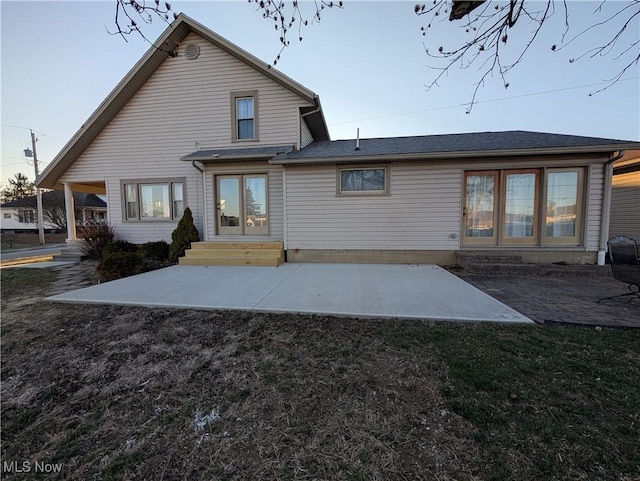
x=200, y=122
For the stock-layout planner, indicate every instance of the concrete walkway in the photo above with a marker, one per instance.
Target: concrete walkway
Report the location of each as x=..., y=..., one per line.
x=358, y=290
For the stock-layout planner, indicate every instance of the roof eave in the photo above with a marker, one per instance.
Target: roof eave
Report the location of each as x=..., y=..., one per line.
x=113, y=103
x=227, y=158
x=314, y=117
x=250, y=59
x=450, y=155
x=136, y=78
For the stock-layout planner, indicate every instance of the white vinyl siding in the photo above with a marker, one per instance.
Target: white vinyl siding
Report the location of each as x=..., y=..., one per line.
x=183, y=107
x=594, y=208
x=625, y=205
x=422, y=210
x=305, y=134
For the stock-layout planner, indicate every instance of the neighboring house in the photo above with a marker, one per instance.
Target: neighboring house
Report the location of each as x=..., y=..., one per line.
x=625, y=196
x=200, y=122
x=21, y=214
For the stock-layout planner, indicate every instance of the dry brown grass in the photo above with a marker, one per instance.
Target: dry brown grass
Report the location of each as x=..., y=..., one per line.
x=116, y=393
x=124, y=393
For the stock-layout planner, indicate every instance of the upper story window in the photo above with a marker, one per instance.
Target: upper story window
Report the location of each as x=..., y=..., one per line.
x=244, y=114
x=370, y=180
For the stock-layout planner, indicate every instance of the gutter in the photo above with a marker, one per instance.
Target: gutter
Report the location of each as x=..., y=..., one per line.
x=225, y=158
x=323, y=122
x=605, y=217
x=204, y=198
x=460, y=154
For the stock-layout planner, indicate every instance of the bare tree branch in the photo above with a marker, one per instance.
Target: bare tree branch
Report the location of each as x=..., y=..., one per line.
x=127, y=11
x=287, y=14
x=489, y=28
x=486, y=23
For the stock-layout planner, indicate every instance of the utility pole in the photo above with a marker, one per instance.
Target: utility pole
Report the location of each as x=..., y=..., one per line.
x=38, y=190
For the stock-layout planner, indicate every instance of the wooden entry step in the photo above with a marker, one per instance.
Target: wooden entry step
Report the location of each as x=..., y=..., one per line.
x=209, y=253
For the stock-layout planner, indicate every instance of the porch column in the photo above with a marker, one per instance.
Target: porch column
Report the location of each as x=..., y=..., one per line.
x=606, y=208
x=71, y=214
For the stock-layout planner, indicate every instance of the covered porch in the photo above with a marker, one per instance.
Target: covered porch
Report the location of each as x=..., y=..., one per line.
x=83, y=217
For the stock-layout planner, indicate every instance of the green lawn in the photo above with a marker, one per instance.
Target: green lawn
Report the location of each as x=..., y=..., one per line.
x=134, y=393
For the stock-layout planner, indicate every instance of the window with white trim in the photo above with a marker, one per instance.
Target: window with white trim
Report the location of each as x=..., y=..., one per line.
x=153, y=200
x=363, y=180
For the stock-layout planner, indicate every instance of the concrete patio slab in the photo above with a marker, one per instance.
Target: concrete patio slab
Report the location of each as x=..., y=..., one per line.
x=357, y=290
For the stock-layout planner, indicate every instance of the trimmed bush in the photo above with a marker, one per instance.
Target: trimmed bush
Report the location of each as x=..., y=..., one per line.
x=119, y=265
x=183, y=236
x=118, y=247
x=95, y=238
x=155, y=251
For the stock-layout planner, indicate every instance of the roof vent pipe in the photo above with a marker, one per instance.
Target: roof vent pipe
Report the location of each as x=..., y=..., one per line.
x=358, y=139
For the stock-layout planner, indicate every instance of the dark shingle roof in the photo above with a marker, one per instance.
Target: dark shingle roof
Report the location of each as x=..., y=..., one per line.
x=449, y=145
x=240, y=153
x=57, y=196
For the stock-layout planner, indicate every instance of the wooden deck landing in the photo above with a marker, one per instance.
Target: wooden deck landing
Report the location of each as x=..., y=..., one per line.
x=234, y=254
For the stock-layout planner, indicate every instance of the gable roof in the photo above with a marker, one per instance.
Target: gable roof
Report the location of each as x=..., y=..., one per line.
x=162, y=49
x=479, y=144
x=57, y=196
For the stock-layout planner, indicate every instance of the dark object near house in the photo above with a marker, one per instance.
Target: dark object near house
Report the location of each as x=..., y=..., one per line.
x=183, y=236
x=460, y=8
x=625, y=265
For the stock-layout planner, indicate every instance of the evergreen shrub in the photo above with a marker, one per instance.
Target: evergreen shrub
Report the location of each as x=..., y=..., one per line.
x=155, y=251
x=183, y=236
x=119, y=265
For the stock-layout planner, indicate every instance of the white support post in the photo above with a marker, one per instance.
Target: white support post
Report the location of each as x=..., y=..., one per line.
x=71, y=215
x=606, y=212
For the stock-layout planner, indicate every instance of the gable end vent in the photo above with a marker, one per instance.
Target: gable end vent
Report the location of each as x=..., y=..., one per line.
x=192, y=51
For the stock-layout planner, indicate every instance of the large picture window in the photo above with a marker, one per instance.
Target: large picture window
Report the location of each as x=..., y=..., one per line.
x=370, y=180
x=153, y=200
x=523, y=207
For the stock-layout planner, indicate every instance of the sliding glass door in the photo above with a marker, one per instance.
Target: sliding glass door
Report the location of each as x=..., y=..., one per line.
x=242, y=204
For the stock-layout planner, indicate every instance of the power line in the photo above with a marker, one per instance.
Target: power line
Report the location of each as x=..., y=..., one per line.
x=16, y=163
x=400, y=114
x=42, y=134
x=14, y=126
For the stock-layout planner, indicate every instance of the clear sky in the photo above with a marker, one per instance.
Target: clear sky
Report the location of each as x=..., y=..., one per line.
x=367, y=63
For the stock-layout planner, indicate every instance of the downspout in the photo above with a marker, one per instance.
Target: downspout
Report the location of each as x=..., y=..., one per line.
x=606, y=207
x=204, y=199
